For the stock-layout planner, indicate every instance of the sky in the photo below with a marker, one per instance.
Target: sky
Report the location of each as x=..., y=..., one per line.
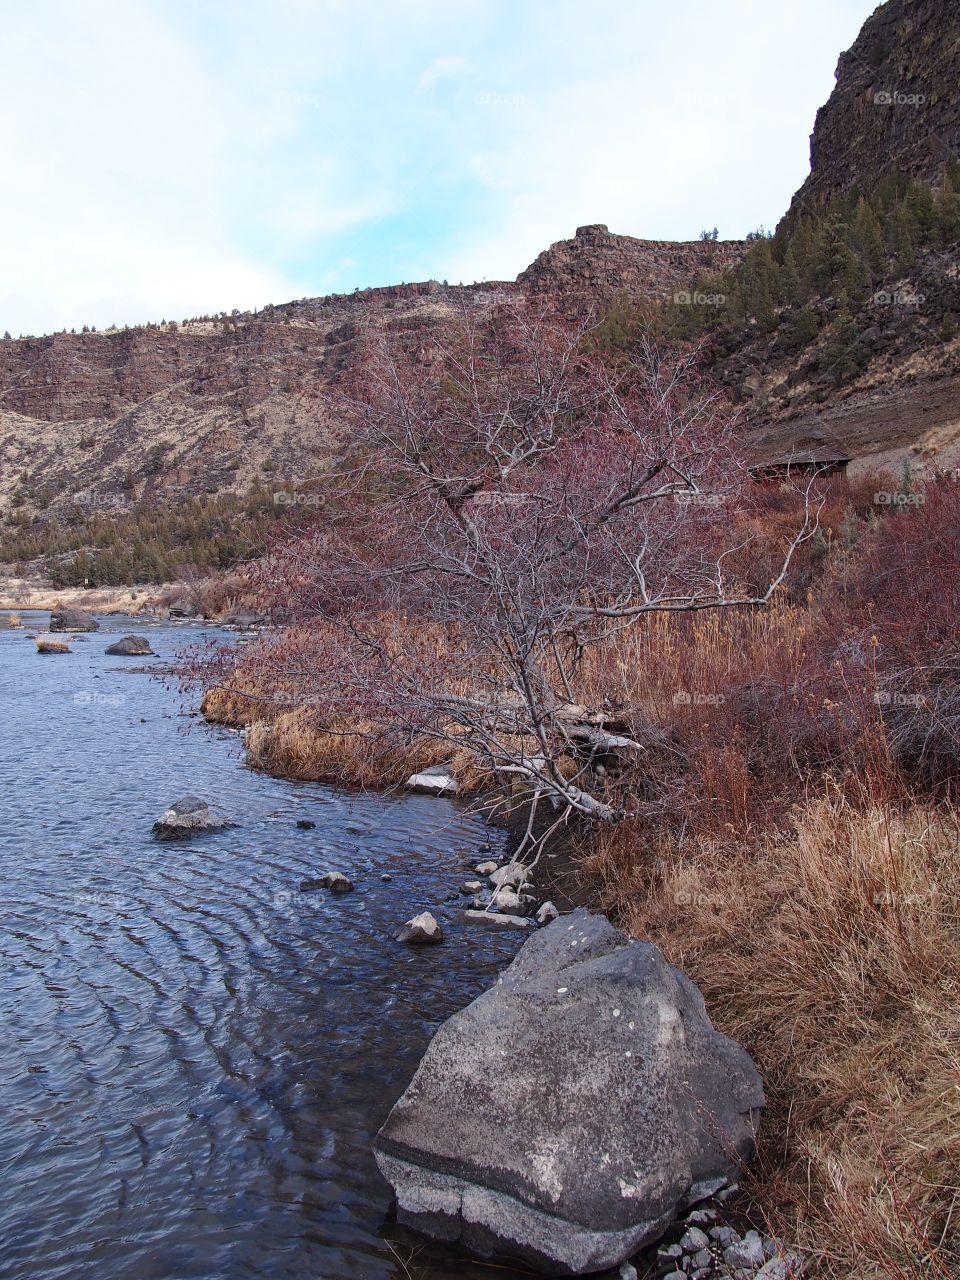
x=169, y=158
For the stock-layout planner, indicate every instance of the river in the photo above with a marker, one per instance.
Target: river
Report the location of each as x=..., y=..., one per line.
x=196, y=1055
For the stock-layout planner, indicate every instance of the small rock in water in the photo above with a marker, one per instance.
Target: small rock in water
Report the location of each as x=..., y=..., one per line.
x=485, y=868
x=337, y=882
x=188, y=817
x=471, y=886
x=130, y=647
x=386, y=876
x=305, y=824
x=547, y=913
x=421, y=929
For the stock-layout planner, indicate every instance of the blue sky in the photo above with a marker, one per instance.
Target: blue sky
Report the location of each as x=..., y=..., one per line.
x=165, y=158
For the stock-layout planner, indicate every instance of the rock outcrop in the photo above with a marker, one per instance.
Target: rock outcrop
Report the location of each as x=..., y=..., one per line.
x=596, y=265
x=895, y=102
x=569, y=1114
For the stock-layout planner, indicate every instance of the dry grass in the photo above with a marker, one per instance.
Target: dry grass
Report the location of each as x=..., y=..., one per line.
x=47, y=644
x=833, y=954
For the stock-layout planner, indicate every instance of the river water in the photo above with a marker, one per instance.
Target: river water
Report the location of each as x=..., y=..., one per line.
x=195, y=1055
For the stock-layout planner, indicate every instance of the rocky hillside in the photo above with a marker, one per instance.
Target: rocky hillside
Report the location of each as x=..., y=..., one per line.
x=100, y=420
x=842, y=328
x=895, y=102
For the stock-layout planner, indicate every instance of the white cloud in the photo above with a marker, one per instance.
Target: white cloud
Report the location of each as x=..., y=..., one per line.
x=451, y=64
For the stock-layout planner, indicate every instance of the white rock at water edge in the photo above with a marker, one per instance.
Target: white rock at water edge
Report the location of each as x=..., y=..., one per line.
x=436, y=781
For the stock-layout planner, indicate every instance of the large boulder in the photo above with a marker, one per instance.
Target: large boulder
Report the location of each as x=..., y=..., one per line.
x=67, y=619
x=570, y=1113
x=130, y=647
x=187, y=817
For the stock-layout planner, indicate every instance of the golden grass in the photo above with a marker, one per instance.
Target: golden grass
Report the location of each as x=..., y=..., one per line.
x=47, y=644
x=833, y=955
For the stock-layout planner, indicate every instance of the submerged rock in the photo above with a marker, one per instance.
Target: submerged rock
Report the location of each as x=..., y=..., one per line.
x=617, y=1105
x=130, y=647
x=187, y=817
x=67, y=619
x=421, y=929
x=305, y=824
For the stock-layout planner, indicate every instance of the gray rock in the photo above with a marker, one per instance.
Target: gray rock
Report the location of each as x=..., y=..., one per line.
x=485, y=868
x=421, y=929
x=724, y=1236
x=628, y=1271
x=130, y=647
x=702, y=1258
x=187, y=817
x=701, y=1217
x=694, y=1240
x=748, y=1253
x=669, y=1253
x=547, y=913
x=471, y=886
x=617, y=1106
x=508, y=902
x=67, y=619
x=676, y=1275
x=774, y=1269
x=500, y=921
x=435, y=781
x=511, y=876
x=386, y=876
x=305, y=824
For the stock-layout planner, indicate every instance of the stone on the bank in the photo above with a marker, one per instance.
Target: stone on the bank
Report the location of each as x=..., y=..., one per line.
x=546, y=913
x=471, y=886
x=421, y=929
x=485, y=868
x=511, y=876
x=187, y=817
x=507, y=901
x=130, y=647
x=498, y=919
x=435, y=781
x=617, y=1106
x=746, y=1253
x=694, y=1240
x=67, y=619
x=775, y=1269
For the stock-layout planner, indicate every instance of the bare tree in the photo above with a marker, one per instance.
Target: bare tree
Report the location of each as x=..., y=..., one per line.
x=511, y=501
